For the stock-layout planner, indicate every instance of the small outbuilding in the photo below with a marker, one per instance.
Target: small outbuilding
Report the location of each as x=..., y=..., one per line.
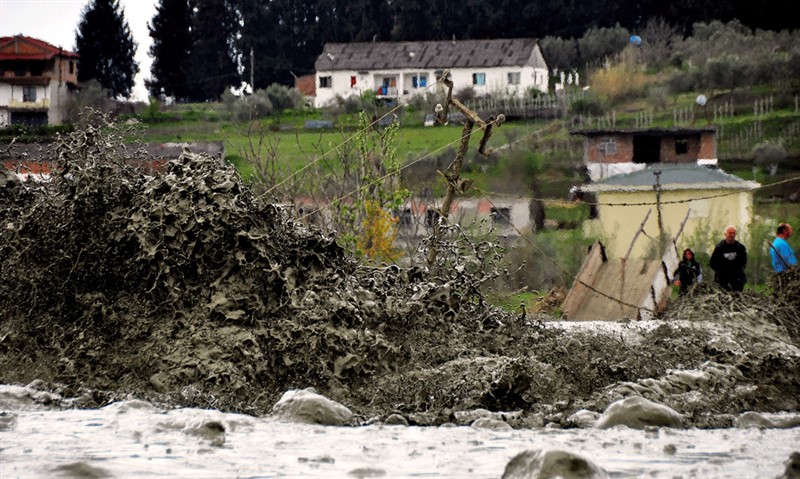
x=667, y=199
x=642, y=217
x=609, y=152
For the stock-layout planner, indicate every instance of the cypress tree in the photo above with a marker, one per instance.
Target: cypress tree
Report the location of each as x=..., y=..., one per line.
x=213, y=68
x=106, y=48
x=171, y=31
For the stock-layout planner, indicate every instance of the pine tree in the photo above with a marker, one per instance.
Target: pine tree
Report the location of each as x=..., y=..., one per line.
x=213, y=68
x=285, y=37
x=171, y=31
x=106, y=48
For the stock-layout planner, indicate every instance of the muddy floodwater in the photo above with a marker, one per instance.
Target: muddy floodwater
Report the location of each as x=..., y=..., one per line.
x=135, y=439
x=153, y=326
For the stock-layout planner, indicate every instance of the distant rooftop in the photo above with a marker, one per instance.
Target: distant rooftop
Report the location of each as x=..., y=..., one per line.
x=644, y=131
x=20, y=47
x=684, y=176
x=430, y=54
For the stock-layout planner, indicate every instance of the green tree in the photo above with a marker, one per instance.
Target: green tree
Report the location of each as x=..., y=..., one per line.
x=597, y=44
x=283, y=37
x=560, y=53
x=171, y=31
x=106, y=48
x=411, y=20
x=213, y=68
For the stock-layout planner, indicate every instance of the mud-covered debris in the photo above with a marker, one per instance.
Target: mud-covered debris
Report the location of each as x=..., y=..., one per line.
x=186, y=289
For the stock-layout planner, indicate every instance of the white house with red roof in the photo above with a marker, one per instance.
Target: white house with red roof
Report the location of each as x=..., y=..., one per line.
x=36, y=80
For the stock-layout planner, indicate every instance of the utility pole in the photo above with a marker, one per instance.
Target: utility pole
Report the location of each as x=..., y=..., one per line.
x=657, y=187
x=252, y=71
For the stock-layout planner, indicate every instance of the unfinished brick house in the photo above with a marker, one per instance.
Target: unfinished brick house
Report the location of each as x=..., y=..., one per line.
x=609, y=152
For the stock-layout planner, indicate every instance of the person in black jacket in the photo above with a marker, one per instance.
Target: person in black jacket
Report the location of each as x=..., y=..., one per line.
x=688, y=273
x=728, y=262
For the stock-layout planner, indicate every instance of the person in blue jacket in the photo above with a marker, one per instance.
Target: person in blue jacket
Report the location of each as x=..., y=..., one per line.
x=783, y=257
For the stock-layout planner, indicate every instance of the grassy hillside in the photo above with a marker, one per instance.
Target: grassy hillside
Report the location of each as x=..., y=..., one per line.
x=745, y=120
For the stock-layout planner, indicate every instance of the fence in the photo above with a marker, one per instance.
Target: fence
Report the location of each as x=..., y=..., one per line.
x=541, y=106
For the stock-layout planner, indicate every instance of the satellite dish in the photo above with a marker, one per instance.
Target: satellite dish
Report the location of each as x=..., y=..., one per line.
x=701, y=100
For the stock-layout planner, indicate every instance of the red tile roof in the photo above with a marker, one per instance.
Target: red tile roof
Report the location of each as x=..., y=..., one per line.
x=20, y=47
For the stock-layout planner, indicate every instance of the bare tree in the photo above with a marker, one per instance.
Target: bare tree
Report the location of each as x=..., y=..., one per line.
x=658, y=38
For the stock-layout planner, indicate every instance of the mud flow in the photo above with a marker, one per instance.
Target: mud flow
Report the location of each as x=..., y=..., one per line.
x=188, y=290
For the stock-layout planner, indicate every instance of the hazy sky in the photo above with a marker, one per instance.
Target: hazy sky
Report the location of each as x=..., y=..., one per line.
x=55, y=21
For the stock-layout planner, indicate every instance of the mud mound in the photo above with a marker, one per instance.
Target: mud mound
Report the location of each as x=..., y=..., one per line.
x=780, y=310
x=187, y=288
x=186, y=280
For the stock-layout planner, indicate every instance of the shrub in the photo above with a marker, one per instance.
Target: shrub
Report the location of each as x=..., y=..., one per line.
x=618, y=82
x=559, y=53
x=598, y=44
x=683, y=82
x=91, y=96
x=257, y=105
x=588, y=105
x=349, y=105
x=465, y=94
x=283, y=97
x=769, y=155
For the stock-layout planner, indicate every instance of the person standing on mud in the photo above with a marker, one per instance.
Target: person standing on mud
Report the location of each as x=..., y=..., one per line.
x=728, y=262
x=688, y=273
x=783, y=257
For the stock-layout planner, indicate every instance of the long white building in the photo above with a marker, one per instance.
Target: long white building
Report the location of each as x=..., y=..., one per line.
x=399, y=70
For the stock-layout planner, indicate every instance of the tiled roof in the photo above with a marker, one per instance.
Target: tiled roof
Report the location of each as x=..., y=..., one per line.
x=673, y=177
x=20, y=47
x=430, y=55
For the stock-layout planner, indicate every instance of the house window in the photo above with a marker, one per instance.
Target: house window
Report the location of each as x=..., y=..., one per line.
x=681, y=146
x=514, y=78
x=479, y=79
x=352, y=82
x=419, y=81
x=326, y=82
x=72, y=67
x=608, y=147
x=501, y=216
x=28, y=93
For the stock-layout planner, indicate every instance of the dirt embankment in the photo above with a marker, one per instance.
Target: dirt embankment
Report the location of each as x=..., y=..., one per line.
x=186, y=288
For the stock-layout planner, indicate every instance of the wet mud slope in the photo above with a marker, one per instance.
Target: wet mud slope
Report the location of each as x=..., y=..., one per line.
x=189, y=290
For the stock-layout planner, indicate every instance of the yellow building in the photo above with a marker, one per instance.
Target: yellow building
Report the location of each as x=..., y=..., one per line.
x=686, y=200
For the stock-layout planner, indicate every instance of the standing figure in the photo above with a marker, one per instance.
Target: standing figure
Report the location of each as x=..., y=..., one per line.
x=783, y=257
x=728, y=262
x=688, y=273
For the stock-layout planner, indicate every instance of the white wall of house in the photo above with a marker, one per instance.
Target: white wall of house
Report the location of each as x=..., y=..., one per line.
x=15, y=95
x=12, y=96
x=52, y=97
x=5, y=94
x=404, y=84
